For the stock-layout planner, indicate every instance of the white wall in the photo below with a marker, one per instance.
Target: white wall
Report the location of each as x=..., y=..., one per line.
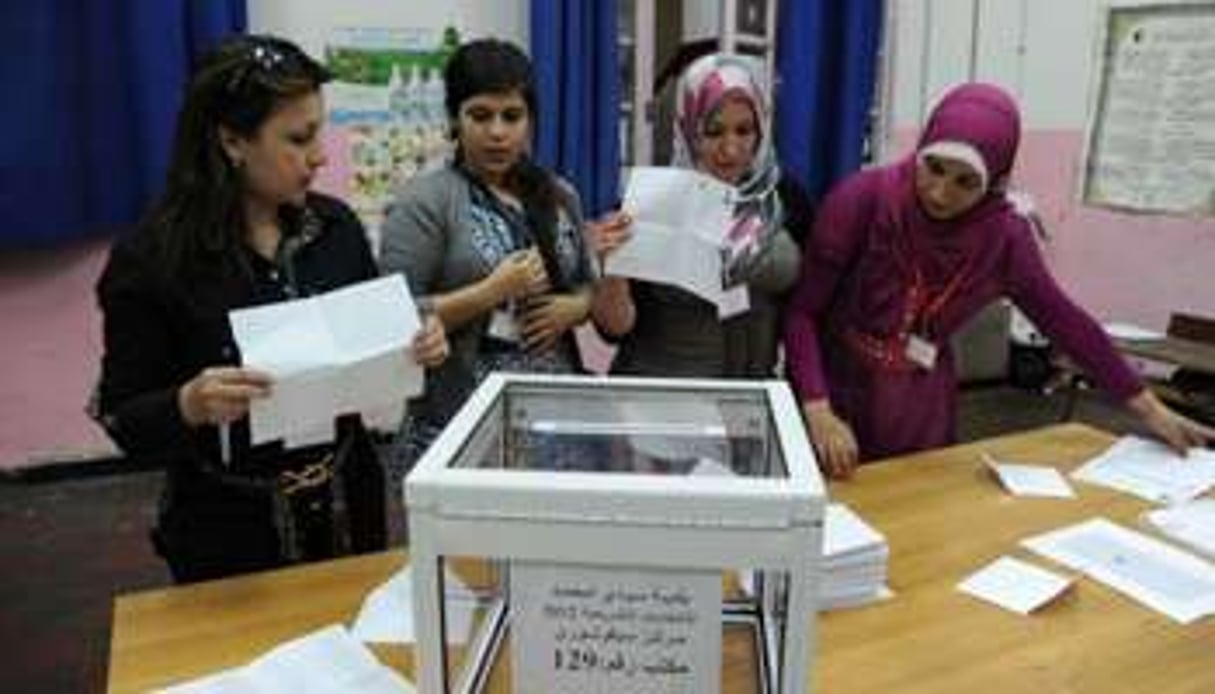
x=308, y=22
x=1040, y=50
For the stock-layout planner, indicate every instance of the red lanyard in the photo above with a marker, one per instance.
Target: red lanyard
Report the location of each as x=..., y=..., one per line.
x=921, y=308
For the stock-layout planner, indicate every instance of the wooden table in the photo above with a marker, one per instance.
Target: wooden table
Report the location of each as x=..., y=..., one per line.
x=944, y=519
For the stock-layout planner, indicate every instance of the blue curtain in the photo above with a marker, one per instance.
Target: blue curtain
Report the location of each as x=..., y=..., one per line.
x=827, y=62
x=573, y=50
x=93, y=89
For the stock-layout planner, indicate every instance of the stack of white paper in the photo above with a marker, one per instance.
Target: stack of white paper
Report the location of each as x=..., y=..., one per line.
x=1191, y=524
x=1150, y=470
x=328, y=661
x=855, y=557
x=337, y=353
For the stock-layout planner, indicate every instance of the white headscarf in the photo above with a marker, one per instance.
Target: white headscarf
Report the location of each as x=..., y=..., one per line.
x=699, y=93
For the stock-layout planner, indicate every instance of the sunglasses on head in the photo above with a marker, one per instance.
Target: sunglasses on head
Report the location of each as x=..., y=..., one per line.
x=261, y=61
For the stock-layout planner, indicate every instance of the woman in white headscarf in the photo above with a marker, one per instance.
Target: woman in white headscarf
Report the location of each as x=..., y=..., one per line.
x=722, y=128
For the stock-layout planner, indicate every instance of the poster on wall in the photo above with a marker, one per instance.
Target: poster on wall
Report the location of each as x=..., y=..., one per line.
x=385, y=112
x=1151, y=136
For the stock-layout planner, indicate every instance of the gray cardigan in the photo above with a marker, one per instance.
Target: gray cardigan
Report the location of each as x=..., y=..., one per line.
x=427, y=235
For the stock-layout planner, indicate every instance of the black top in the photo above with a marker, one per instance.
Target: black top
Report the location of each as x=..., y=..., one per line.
x=161, y=329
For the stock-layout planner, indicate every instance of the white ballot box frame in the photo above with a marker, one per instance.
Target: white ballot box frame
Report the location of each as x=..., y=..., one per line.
x=611, y=520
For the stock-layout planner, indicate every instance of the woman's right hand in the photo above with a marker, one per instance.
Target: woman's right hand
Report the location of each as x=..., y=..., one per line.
x=520, y=274
x=609, y=232
x=221, y=394
x=832, y=438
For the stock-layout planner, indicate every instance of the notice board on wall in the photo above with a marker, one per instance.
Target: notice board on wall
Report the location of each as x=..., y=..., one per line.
x=1151, y=131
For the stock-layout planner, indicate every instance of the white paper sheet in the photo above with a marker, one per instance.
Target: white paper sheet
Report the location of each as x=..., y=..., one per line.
x=1030, y=480
x=1172, y=582
x=1150, y=470
x=337, y=353
x=328, y=661
x=1130, y=331
x=680, y=221
x=1015, y=585
x=1192, y=524
x=386, y=615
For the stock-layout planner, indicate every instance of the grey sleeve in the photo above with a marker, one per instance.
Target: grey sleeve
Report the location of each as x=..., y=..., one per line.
x=586, y=272
x=413, y=237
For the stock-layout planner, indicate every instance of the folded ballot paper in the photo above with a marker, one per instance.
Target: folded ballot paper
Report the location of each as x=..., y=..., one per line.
x=386, y=615
x=681, y=218
x=855, y=557
x=337, y=353
x=329, y=661
x=1191, y=524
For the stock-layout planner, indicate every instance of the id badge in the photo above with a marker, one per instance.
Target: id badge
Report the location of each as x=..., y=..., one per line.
x=503, y=326
x=921, y=352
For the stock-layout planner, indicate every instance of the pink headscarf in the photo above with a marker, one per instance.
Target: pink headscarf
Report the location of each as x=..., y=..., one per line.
x=985, y=118
x=700, y=91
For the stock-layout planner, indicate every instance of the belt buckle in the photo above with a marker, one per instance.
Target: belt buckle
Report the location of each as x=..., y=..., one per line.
x=310, y=476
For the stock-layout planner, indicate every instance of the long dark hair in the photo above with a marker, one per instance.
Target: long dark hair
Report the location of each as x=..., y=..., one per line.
x=198, y=224
x=492, y=66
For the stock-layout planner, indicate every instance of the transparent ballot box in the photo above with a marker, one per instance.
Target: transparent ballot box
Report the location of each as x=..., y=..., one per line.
x=589, y=534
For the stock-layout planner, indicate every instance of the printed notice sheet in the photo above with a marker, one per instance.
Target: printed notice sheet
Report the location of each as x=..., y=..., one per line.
x=1150, y=571
x=1015, y=585
x=1150, y=470
x=1152, y=135
x=680, y=221
x=337, y=353
x=601, y=631
x=329, y=661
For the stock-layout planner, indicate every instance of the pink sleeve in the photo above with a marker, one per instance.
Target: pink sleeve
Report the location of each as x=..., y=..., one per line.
x=839, y=225
x=1036, y=292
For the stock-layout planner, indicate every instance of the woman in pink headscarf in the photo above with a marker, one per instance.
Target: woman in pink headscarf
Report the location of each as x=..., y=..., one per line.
x=723, y=128
x=901, y=257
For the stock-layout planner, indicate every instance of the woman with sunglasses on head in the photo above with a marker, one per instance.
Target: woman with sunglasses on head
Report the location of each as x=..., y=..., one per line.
x=238, y=226
x=493, y=241
x=723, y=128
x=903, y=256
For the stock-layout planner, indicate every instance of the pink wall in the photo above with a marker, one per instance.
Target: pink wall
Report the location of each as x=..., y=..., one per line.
x=53, y=345
x=1137, y=268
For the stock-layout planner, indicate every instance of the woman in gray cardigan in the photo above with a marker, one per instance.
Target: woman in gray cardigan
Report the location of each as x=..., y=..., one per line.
x=492, y=243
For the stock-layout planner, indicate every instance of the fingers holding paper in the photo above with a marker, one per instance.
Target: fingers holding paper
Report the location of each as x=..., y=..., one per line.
x=609, y=232
x=222, y=394
x=429, y=347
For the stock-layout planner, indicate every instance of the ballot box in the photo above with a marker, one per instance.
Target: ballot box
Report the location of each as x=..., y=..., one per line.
x=592, y=534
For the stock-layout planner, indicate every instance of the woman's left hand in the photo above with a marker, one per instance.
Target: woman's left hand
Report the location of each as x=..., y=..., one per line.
x=547, y=317
x=609, y=232
x=1179, y=432
x=429, y=346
